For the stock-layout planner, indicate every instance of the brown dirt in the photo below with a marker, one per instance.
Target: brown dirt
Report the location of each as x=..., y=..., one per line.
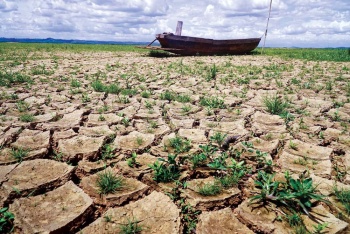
x=68, y=136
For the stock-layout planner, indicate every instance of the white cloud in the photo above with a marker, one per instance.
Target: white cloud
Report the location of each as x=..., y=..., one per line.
x=292, y=23
x=7, y=6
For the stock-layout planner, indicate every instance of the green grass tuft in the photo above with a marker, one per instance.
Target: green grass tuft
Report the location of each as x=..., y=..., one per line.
x=275, y=105
x=132, y=227
x=27, y=118
x=19, y=154
x=343, y=196
x=108, y=182
x=212, y=102
x=210, y=189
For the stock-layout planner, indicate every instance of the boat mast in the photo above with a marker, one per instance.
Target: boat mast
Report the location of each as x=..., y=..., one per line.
x=178, y=28
x=267, y=25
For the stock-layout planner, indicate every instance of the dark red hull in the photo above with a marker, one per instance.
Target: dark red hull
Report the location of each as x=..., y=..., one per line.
x=200, y=46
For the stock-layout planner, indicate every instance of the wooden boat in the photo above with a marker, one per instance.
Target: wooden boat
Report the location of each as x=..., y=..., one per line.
x=184, y=45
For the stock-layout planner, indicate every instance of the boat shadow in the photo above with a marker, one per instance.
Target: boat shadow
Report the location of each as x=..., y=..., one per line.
x=165, y=54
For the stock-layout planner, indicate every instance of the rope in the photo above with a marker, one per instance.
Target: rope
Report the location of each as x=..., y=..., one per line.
x=152, y=42
x=267, y=25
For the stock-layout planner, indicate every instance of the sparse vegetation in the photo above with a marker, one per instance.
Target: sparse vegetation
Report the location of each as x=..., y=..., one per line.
x=179, y=144
x=275, y=105
x=168, y=95
x=107, y=152
x=166, y=170
x=98, y=86
x=212, y=102
x=343, y=195
x=131, y=227
x=8, y=79
x=27, y=117
x=22, y=106
x=293, y=145
x=132, y=160
x=212, y=73
x=217, y=95
x=108, y=182
x=197, y=159
x=19, y=154
x=296, y=195
x=75, y=83
x=218, y=138
x=236, y=171
x=139, y=141
x=210, y=189
x=6, y=220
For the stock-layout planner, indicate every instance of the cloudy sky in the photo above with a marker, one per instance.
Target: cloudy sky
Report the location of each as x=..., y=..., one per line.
x=303, y=23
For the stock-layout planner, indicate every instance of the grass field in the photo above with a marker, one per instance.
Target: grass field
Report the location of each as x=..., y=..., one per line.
x=20, y=50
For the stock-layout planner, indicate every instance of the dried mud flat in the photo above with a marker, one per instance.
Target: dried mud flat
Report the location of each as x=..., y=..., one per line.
x=91, y=112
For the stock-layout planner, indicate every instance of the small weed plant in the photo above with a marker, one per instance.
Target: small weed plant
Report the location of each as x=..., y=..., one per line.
x=126, y=122
x=166, y=170
x=320, y=228
x=58, y=156
x=168, y=95
x=75, y=83
x=107, y=152
x=107, y=218
x=275, y=105
x=293, y=145
x=128, y=92
x=190, y=217
x=208, y=150
x=113, y=88
x=343, y=196
x=197, y=160
x=211, y=75
x=98, y=86
x=85, y=98
x=218, y=138
x=297, y=195
x=212, y=102
x=145, y=94
x=6, y=220
x=101, y=118
x=131, y=227
x=27, y=118
x=132, y=160
x=183, y=98
x=180, y=145
x=19, y=154
x=294, y=220
x=236, y=170
x=139, y=141
x=219, y=163
x=7, y=79
x=186, y=109
x=108, y=182
x=22, y=106
x=210, y=189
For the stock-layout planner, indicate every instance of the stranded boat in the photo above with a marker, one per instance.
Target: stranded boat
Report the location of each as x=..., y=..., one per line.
x=184, y=45
x=201, y=46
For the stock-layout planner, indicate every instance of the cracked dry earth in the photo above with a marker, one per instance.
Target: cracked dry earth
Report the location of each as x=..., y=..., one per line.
x=78, y=131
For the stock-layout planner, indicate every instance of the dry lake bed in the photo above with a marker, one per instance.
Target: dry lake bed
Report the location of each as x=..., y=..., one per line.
x=123, y=142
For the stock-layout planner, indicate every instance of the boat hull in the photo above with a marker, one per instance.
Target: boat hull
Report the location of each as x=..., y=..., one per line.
x=200, y=46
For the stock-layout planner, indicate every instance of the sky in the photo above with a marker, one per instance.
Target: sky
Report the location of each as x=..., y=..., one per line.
x=299, y=23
